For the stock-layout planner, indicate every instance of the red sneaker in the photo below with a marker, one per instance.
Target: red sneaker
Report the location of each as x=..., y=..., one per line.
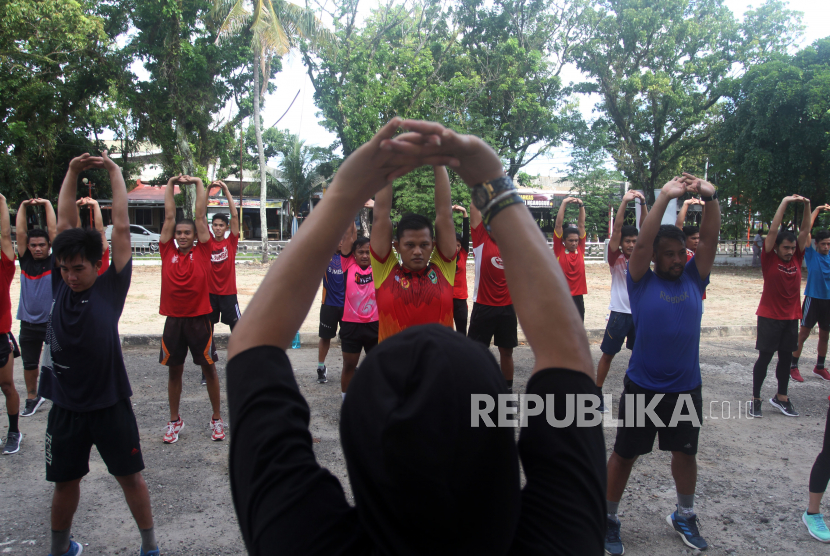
x=796, y=375
x=173, y=429
x=218, y=428
x=822, y=373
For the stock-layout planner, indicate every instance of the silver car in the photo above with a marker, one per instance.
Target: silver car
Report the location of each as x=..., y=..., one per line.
x=140, y=237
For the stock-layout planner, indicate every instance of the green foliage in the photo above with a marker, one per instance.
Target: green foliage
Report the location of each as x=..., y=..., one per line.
x=776, y=132
x=662, y=66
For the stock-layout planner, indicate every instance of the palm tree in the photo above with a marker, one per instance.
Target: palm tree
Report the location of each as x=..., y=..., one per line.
x=276, y=26
x=301, y=174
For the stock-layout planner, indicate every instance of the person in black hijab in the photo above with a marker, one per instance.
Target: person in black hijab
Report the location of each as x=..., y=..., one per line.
x=430, y=471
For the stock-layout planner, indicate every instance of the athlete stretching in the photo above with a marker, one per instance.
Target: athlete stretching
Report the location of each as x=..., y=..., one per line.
x=666, y=306
x=569, y=248
x=816, y=307
x=418, y=290
x=331, y=308
x=185, y=278
x=620, y=327
x=780, y=309
x=8, y=345
x=83, y=370
x=459, y=287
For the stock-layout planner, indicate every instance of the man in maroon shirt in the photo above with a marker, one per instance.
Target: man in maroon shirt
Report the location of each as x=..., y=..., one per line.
x=780, y=308
x=569, y=248
x=185, y=277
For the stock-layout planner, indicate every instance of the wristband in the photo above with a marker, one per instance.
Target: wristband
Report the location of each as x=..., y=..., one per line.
x=707, y=199
x=484, y=193
x=501, y=202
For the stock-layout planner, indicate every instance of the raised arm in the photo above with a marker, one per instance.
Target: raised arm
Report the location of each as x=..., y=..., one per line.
x=349, y=237
x=444, y=226
x=707, y=248
x=465, y=225
x=806, y=226
x=168, y=228
x=580, y=223
x=200, y=214
x=6, y=230
x=681, y=214
x=99, y=219
x=643, y=208
x=616, y=236
x=475, y=216
x=381, y=238
x=22, y=227
x=231, y=207
x=120, y=238
x=814, y=215
x=644, y=249
x=772, y=234
x=67, y=209
x=560, y=216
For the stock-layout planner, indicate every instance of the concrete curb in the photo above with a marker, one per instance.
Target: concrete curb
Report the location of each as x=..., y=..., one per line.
x=310, y=339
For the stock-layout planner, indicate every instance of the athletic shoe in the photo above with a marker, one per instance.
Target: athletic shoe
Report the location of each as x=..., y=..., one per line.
x=155, y=552
x=687, y=528
x=821, y=373
x=321, y=375
x=173, y=429
x=13, y=441
x=755, y=409
x=785, y=407
x=218, y=428
x=75, y=549
x=204, y=380
x=795, y=374
x=32, y=406
x=602, y=408
x=613, y=541
x=816, y=526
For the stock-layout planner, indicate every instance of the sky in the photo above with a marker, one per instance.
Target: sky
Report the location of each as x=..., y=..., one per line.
x=301, y=117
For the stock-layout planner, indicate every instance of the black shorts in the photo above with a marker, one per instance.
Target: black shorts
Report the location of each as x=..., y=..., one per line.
x=633, y=441
x=183, y=333
x=71, y=434
x=620, y=328
x=32, y=337
x=497, y=323
x=225, y=308
x=815, y=311
x=330, y=317
x=777, y=335
x=459, y=315
x=580, y=305
x=7, y=349
x=355, y=336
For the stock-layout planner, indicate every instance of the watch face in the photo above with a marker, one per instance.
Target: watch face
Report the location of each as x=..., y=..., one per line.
x=480, y=196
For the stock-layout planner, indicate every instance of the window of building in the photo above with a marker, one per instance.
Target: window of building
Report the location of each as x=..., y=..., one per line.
x=144, y=216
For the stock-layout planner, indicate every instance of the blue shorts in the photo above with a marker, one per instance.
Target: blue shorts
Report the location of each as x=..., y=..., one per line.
x=620, y=326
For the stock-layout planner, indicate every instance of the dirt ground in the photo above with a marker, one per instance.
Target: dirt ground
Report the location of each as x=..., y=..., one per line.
x=752, y=485
x=732, y=297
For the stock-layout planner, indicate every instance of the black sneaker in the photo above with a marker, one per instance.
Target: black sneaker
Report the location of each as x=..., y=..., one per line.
x=755, y=410
x=602, y=408
x=321, y=375
x=32, y=406
x=785, y=407
x=613, y=541
x=13, y=441
x=204, y=380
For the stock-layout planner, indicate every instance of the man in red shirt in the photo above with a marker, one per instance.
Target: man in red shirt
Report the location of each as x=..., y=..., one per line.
x=8, y=345
x=223, y=245
x=418, y=290
x=185, y=278
x=493, y=315
x=459, y=287
x=780, y=308
x=569, y=248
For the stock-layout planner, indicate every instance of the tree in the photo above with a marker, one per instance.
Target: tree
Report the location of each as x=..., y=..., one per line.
x=776, y=131
x=661, y=67
x=275, y=28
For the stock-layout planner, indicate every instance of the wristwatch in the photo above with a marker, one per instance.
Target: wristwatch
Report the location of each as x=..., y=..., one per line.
x=707, y=199
x=485, y=192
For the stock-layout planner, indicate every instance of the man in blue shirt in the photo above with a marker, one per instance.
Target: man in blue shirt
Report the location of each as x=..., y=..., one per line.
x=334, y=295
x=663, y=376
x=816, y=307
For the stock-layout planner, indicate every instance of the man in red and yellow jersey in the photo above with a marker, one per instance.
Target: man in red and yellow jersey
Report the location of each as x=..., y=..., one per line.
x=418, y=289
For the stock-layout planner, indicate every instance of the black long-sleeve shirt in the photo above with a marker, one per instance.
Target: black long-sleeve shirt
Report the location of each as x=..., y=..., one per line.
x=288, y=504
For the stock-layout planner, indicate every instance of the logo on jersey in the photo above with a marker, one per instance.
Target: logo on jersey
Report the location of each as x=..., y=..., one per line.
x=219, y=256
x=404, y=282
x=432, y=277
x=362, y=279
x=175, y=258
x=368, y=306
x=791, y=270
x=497, y=262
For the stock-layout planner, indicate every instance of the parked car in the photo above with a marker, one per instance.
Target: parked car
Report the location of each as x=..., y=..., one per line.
x=139, y=236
